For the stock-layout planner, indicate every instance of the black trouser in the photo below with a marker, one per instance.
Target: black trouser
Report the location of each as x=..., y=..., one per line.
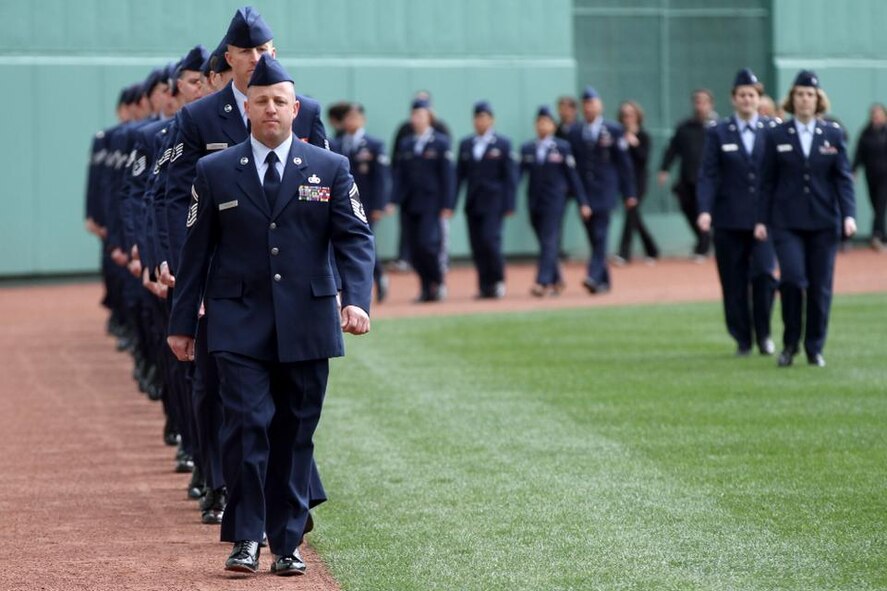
x=485, y=237
x=807, y=266
x=634, y=223
x=207, y=410
x=878, y=195
x=687, y=198
x=271, y=411
x=742, y=260
x=424, y=233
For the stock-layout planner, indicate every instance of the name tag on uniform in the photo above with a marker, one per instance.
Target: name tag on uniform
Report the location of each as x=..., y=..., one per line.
x=217, y=146
x=729, y=147
x=314, y=193
x=783, y=147
x=555, y=158
x=494, y=153
x=227, y=205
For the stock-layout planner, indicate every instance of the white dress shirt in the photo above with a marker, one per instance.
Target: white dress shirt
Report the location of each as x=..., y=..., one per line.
x=748, y=135
x=240, y=99
x=351, y=141
x=542, y=148
x=260, y=152
x=805, y=134
x=422, y=141
x=592, y=130
x=480, y=144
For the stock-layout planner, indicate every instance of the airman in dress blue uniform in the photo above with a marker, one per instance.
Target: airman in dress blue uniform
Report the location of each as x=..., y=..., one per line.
x=549, y=163
x=424, y=190
x=486, y=166
x=728, y=191
x=210, y=125
x=606, y=172
x=808, y=200
x=263, y=216
x=370, y=167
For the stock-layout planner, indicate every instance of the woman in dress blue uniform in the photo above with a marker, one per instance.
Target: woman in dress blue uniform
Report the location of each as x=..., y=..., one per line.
x=551, y=167
x=807, y=201
x=727, y=191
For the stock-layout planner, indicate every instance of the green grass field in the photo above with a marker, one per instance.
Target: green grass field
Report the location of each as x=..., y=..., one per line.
x=603, y=449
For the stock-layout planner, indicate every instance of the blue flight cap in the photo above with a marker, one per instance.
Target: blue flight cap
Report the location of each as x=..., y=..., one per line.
x=269, y=71
x=745, y=77
x=483, y=107
x=156, y=77
x=590, y=93
x=193, y=60
x=248, y=29
x=544, y=111
x=420, y=104
x=807, y=78
x=135, y=93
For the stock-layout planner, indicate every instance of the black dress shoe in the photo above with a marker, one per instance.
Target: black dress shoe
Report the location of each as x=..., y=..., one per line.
x=816, y=359
x=196, y=487
x=287, y=566
x=213, y=507
x=766, y=346
x=786, y=358
x=589, y=285
x=244, y=557
x=184, y=464
x=170, y=434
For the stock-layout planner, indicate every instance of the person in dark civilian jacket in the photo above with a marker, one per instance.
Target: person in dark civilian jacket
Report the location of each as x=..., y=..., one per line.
x=370, y=168
x=606, y=173
x=424, y=191
x=807, y=203
x=631, y=117
x=871, y=153
x=486, y=167
x=686, y=145
x=263, y=216
x=728, y=192
x=549, y=163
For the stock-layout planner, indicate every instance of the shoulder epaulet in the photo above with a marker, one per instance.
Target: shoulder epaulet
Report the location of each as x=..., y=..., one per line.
x=100, y=134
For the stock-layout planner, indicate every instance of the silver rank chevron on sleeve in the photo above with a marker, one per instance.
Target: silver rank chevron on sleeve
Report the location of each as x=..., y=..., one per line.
x=356, y=205
x=139, y=166
x=176, y=152
x=192, y=210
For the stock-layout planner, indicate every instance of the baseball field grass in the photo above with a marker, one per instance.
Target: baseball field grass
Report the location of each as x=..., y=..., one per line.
x=604, y=449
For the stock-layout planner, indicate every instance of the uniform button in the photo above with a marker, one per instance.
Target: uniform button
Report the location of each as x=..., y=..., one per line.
x=274, y=251
x=751, y=189
x=273, y=225
x=277, y=277
x=806, y=189
x=806, y=177
x=751, y=175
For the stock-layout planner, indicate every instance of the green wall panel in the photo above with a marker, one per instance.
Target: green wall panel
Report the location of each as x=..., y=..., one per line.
x=656, y=52
x=69, y=61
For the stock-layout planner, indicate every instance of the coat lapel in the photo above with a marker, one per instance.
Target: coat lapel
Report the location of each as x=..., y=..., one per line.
x=248, y=178
x=293, y=176
x=232, y=122
x=818, y=138
x=795, y=140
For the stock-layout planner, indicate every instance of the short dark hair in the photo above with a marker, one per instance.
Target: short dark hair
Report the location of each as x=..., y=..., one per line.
x=337, y=111
x=567, y=100
x=704, y=91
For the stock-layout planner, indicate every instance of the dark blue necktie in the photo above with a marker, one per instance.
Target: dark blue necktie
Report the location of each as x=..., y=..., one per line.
x=271, y=183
